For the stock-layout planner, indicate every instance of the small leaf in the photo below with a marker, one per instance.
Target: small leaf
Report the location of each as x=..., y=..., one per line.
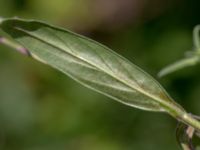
x=1, y=19
x=186, y=62
x=91, y=64
x=193, y=57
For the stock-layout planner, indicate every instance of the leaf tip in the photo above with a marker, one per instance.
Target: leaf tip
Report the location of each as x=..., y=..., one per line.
x=1, y=19
x=161, y=74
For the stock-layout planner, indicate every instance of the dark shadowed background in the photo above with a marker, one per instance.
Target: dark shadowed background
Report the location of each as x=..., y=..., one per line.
x=42, y=109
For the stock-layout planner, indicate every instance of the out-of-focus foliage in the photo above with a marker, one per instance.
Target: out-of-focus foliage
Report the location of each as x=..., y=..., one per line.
x=42, y=109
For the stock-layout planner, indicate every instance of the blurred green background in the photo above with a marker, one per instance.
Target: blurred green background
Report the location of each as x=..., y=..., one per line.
x=42, y=109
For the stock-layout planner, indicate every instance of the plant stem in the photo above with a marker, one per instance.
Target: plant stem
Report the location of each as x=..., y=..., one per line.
x=14, y=45
x=189, y=120
x=180, y=114
x=185, y=117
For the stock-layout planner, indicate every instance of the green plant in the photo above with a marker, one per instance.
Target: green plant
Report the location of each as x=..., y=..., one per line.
x=97, y=67
x=192, y=57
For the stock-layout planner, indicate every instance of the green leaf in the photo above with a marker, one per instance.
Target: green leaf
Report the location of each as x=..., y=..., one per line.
x=193, y=57
x=91, y=64
x=1, y=19
x=186, y=62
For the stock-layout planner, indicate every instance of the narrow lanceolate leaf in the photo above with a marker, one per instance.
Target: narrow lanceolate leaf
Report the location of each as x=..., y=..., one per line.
x=192, y=59
x=186, y=62
x=91, y=64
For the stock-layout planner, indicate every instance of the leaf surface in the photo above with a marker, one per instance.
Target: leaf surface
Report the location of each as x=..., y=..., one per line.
x=90, y=63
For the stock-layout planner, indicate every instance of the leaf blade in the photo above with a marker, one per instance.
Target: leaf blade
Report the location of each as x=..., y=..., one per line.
x=90, y=63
